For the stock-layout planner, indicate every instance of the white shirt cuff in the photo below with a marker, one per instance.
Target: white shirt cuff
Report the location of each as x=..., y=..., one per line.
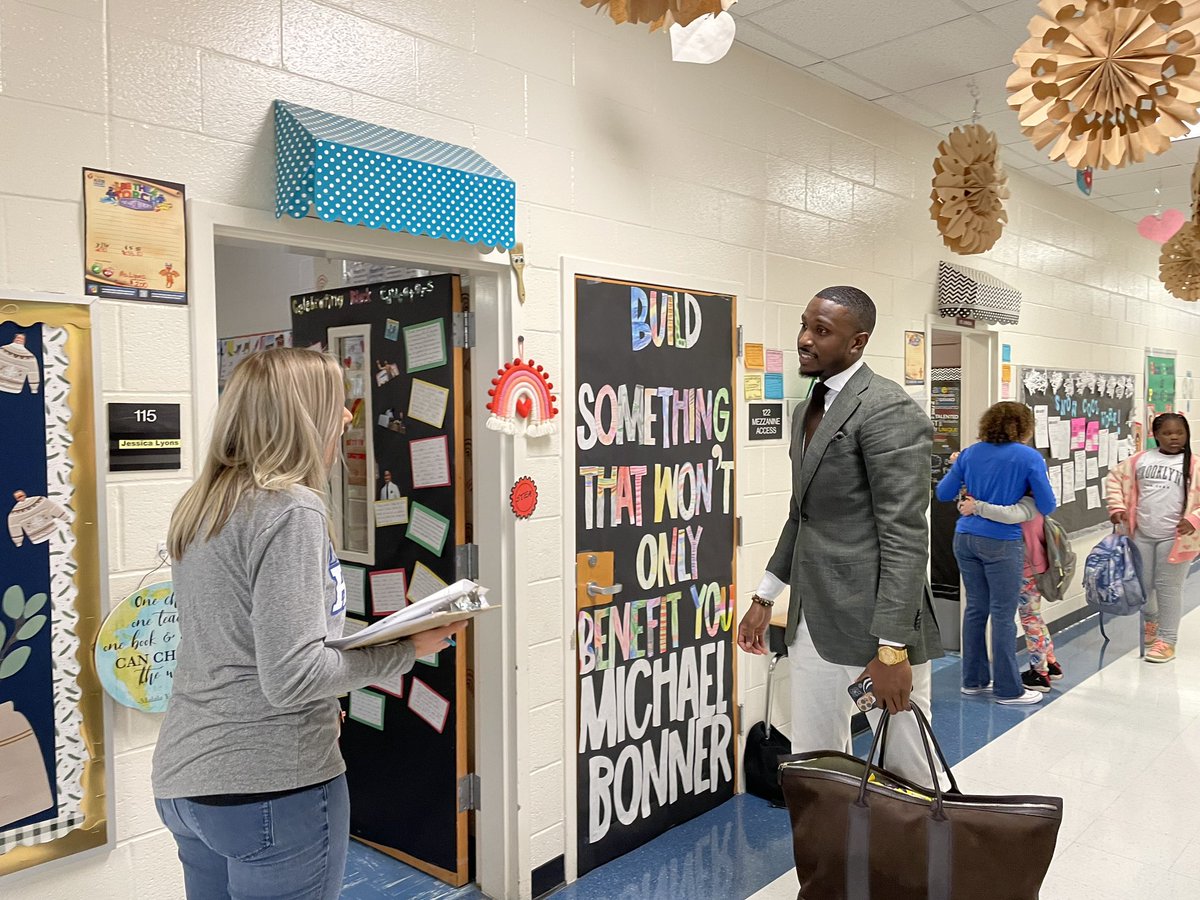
x=770, y=587
x=883, y=643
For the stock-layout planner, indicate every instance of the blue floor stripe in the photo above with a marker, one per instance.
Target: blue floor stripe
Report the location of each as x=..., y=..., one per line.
x=742, y=846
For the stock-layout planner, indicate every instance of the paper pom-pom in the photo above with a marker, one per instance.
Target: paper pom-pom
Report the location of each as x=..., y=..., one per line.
x=969, y=187
x=1103, y=83
x=655, y=13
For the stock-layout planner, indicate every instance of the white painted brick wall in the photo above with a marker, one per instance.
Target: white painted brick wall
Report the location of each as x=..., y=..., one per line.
x=747, y=171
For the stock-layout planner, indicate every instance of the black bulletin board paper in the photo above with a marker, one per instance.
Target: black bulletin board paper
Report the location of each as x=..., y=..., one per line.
x=1101, y=398
x=657, y=725
x=407, y=772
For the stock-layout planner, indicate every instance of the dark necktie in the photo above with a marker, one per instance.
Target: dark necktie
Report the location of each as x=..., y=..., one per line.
x=815, y=412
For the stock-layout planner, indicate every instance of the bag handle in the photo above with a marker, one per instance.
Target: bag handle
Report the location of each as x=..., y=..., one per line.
x=927, y=735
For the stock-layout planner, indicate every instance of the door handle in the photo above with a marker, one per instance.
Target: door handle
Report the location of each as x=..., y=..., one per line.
x=594, y=590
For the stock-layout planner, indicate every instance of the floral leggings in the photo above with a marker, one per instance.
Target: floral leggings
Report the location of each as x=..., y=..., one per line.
x=1037, y=635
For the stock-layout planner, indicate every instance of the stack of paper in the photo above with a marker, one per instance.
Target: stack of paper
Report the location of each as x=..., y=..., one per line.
x=461, y=600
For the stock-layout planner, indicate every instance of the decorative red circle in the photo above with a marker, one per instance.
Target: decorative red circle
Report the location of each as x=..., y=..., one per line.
x=523, y=497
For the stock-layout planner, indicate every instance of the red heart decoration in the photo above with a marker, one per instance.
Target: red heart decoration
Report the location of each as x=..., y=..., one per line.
x=1161, y=229
x=524, y=406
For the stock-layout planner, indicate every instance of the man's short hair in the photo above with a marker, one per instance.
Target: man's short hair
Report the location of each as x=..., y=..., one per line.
x=859, y=305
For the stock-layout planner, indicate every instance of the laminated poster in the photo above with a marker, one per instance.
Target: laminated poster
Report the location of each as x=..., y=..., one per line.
x=135, y=238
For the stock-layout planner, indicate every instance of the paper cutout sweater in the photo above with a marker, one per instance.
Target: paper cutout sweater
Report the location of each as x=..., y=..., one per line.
x=18, y=365
x=33, y=517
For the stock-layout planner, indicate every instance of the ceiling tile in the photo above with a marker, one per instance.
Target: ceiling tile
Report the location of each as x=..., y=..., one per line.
x=836, y=27
x=1050, y=175
x=985, y=4
x=1021, y=156
x=1013, y=19
x=750, y=7
x=835, y=74
x=914, y=112
x=953, y=98
x=760, y=39
x=946, y=51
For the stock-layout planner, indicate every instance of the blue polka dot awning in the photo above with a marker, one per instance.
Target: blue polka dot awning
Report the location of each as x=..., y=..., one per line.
x=363, y=174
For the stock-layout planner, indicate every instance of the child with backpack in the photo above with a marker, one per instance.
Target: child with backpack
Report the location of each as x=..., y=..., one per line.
x=1043, y=667
x=1155, y=495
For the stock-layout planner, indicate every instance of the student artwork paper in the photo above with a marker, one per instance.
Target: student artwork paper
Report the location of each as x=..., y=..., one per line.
x=424, y=346
x=391, y=512
x=1080, y=470
x=1078, y=434
x=430, y=460
x=428, y=704
x=1041, y=427
x=754, y=356
x=1093, y=437
x=1060, y=440
x=1054, y=473
x=428, y=529
x=427, y=403
x=1068, y=480
x=753, y=387
x=1093, y=497
x=774, y=361
x=773, y=386
x=355, y=578
x=394, y=688
x=388, y=591
x=367, y=707
x=1093, y=467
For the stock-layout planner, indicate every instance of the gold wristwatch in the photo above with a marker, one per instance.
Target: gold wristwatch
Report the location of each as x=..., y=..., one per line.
x=891, y=656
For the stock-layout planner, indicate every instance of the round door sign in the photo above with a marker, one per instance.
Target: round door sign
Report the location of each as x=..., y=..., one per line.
x=136, y=648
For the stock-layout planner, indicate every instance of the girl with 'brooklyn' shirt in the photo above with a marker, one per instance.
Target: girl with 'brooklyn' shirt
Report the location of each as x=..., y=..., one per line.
x=1156, y=496
x=247, y=773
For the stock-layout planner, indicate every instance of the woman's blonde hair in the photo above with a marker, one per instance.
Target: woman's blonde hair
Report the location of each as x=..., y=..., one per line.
x=277, y=426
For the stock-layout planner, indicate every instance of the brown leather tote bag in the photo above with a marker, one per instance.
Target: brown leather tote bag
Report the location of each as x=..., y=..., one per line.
x=862, y=833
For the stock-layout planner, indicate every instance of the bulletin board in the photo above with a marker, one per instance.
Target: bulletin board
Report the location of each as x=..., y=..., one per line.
x=405, y=742
x=1083, y=427
x=53, y=740
x=655, y=523
x=1160, y=390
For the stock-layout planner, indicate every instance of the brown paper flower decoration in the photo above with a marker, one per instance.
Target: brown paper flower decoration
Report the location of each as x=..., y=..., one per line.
x=1103, y=83
x=969, y=187
x=1179, y=263
x=655, y=12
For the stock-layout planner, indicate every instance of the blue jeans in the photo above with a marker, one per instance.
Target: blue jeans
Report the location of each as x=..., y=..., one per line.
x=287, y=848
x=992, y=571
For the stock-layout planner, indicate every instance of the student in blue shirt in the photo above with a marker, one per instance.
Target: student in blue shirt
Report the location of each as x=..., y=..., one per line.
x=1000, y=469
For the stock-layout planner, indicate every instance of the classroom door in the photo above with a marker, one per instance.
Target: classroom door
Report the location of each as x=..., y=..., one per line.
x=400, y=498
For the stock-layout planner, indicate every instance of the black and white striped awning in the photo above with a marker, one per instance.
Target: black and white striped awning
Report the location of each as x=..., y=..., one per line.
x=971, y=294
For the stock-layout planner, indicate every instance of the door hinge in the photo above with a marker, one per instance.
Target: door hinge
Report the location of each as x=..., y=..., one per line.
x=739, y=531
x=468, y=792
x=739, y=337
x=466, y=562
x=464, y=329
x=741, y=718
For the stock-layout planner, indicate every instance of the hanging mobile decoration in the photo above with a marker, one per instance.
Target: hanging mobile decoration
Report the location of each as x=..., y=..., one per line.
x=656, y=13
x=1103, y=83
x=1179, y=263
x=1162, y=226
x=969, y=187
x=522, y=401
x=1083, y=180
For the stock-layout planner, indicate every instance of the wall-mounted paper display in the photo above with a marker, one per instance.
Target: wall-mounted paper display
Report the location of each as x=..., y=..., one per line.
x=914, y=357
x=135, y=238
x=54, y=800
x=753, y=356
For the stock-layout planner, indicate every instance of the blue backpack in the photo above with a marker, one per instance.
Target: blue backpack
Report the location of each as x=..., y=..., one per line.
x=1112, y=577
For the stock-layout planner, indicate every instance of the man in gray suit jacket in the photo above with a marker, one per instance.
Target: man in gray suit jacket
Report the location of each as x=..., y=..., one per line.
x=855, y=544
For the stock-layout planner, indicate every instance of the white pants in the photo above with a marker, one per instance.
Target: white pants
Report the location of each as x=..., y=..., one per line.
x=821, y=710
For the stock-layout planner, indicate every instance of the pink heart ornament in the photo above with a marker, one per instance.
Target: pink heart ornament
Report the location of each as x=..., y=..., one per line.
x=1161, y=229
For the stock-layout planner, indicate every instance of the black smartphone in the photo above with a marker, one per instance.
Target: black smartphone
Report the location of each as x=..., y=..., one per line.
x=863, y=694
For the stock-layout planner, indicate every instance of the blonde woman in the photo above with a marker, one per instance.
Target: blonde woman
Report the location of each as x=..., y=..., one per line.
x=247, y=772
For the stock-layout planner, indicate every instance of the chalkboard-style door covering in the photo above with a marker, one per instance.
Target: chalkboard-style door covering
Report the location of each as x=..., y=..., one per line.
x=405, y=743
x=655, y=543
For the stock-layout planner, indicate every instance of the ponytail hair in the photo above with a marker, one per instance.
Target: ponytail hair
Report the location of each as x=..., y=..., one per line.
x=1161, y=420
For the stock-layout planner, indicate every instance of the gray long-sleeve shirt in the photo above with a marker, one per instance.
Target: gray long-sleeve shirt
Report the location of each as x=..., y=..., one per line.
x=254, y=708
